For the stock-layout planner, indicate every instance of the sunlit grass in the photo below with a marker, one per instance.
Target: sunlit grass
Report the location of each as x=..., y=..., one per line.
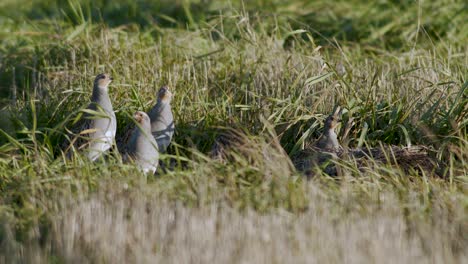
x=272, y=68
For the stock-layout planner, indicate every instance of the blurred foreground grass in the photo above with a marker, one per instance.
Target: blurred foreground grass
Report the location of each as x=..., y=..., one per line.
x=276, y=68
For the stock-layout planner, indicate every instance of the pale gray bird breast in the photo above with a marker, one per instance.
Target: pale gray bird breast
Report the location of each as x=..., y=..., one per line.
x=142, y=147
x=329, y=139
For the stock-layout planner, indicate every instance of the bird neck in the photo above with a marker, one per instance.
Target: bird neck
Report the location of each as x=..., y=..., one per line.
x=101, y=96
x=332, y=138
x=160, y=106
x=163, y=102
x=146, y=127
x=144, y=135
x=329, y=139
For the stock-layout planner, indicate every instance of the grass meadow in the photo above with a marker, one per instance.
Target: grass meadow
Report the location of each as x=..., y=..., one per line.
x=274, y=69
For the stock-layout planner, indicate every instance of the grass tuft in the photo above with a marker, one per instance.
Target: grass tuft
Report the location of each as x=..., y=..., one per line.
x=269, y=70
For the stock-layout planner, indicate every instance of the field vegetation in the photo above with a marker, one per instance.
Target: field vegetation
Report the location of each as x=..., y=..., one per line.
x=274, y=69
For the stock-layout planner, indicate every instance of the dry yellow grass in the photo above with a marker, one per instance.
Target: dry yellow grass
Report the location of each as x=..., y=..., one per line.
x=275, y=69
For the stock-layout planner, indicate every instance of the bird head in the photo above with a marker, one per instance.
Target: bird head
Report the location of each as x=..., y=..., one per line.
x=334, y=119
x=102, y=80
x=164, y=94
x=141, y=117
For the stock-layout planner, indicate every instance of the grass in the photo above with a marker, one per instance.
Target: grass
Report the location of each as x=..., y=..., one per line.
x=274, y=69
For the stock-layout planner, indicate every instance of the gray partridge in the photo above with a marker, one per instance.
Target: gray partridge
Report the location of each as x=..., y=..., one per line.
x=162, y=123
x=162, y=119
x=323, y=150
x=328, y=147
x=95, y=132
x=142, y=148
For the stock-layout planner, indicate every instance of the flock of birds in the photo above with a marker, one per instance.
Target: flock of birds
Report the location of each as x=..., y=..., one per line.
x=95, y=133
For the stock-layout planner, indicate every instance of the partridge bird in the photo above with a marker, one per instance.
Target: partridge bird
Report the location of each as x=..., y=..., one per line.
x=162, y=123
x=225, y=141
x=162, y=120
x=407, y=158
x=327, y=147
x=94, y=133
x=328, y=141
x=323, y=150
x=142, y=148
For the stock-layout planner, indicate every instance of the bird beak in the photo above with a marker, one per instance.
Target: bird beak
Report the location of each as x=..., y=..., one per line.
x=111, y=78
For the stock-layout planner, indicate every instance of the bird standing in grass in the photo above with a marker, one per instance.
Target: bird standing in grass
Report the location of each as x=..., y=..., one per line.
x=328, y=147
x=142, y=147
x=162, y=119
x=95, y=131
x=161, y=125
x=323, y=150
x=328, y=141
